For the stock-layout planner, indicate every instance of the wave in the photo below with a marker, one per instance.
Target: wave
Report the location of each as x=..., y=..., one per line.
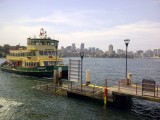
x=7, y=107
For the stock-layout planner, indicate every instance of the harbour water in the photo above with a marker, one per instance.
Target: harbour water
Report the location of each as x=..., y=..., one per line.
x=20, y=101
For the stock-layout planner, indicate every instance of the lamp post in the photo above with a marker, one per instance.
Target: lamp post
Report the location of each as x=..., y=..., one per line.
x=126, y=43
x=56, y=46
x=82, y=55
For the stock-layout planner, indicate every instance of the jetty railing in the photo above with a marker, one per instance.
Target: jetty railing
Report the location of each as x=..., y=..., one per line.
x=87, y=89
x=139, y=89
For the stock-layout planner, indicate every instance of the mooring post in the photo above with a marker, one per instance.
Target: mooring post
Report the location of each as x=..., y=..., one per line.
x=157, y=90
x=118, y=85
x=68, y=84
x=136, y=88
x=55, y=85
x=105, y=96
x=71, y=85
x=106, y=83
x=93, y=89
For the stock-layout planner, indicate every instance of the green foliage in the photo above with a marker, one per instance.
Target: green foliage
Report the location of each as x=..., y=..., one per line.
x=4, y=50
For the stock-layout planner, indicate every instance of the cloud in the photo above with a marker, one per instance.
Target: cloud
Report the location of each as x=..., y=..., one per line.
x=66, y=20
x=157, y=1
x=144, y=35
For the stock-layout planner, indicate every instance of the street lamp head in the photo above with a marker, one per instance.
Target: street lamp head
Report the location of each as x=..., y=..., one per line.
x=127, y=41
x=82, y=55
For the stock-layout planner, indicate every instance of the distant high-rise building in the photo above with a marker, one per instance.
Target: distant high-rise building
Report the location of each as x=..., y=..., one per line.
x=110, y=51
x=73, y=46
x=82, y=47
x=62, y=48
x=149, y=53
x=158, y=52
x=155, y=52
x=139, y=54
x=119, y=51
x=93, y=50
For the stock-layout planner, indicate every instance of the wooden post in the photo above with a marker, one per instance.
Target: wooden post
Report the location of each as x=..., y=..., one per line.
x=106, y=83
x=93, y=89
x=55, y=85
x=136, y=88
x=154, y=91
x=71, y=85
x=157, y=90
x=118, y=85
x=68, y=84
x=105, y=96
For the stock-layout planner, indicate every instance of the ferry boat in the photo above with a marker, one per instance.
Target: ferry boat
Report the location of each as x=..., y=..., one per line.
x=40, y=58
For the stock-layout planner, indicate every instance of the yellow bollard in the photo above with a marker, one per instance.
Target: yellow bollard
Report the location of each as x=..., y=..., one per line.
x=105, y=96
x=88, y=77
x=105, y=102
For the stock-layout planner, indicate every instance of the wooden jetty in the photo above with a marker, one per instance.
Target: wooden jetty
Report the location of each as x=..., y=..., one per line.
x=145, y=91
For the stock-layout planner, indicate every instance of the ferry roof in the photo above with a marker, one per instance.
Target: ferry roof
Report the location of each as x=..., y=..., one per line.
x=47, y=38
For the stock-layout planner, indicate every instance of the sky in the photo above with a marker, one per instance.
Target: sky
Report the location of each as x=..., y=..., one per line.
x=96, y=23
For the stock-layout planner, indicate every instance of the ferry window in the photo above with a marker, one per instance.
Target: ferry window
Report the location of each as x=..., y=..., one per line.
x=32, y=42
x=26, y=63
x=49, y=53
x=42, y=42
x=37, y=42
x=48, y=43
x=53, y=53
x=46, y=63
x=45, y=52
x=52, y=43
x=27, y=54
x=38, y=64
x=34, y=54
x=41, y=52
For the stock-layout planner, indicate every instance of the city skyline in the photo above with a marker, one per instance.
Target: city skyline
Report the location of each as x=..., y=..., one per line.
x=72, y=51
x=94, y=23
x=110, y=49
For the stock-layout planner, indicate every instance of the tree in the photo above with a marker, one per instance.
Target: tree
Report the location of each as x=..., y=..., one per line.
x=6, y=49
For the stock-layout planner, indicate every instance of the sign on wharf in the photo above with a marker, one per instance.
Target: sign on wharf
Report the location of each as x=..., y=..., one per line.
x=74, y=70
x=148, y=86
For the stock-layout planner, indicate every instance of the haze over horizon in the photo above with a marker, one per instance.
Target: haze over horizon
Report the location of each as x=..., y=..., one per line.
x=96, y=23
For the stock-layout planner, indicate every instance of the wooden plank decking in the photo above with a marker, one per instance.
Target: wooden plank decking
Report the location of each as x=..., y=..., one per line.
x=97, y=92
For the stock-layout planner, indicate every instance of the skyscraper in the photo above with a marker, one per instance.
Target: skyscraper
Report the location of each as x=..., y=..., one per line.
x=73, y=46
x=82, y=47
x=110, y=50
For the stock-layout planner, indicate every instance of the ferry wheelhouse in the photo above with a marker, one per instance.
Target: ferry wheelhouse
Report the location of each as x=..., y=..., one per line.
x=40, y=58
